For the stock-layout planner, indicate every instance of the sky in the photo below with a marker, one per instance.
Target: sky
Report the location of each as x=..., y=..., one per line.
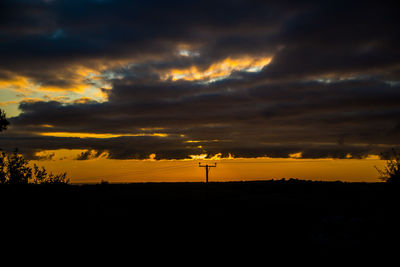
x=144, y=90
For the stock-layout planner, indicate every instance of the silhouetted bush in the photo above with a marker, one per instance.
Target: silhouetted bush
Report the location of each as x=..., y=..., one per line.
x=391, y=172
x=15, y=169
x=3, y=121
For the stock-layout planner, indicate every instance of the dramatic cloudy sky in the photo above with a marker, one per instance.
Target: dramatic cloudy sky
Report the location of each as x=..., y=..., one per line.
x=174, y=79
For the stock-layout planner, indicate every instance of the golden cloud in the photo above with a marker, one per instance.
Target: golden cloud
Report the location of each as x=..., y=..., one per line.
x=217, y=70
x=97, y=135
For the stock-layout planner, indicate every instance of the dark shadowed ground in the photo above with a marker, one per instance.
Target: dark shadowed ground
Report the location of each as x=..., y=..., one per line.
x=319, y=216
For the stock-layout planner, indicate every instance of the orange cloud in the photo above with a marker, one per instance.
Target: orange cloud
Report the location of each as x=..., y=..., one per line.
x=16, y=82
x=83, y=100
x=6, y=103
x=72, y=78
x=97, y=135
x=218, y=70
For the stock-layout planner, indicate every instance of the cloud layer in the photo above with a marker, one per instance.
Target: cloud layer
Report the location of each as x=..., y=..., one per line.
x=180, y=78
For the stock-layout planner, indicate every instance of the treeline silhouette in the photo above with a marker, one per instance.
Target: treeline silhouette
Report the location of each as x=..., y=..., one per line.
x=15, y=169
x=391, y=172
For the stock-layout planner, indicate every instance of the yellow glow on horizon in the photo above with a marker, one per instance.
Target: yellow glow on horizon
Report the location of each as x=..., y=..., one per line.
x=186, y=170
x=97, y=135
x=219, y=69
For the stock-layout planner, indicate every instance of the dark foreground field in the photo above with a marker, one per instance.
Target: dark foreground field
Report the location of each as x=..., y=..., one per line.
x=317, y=215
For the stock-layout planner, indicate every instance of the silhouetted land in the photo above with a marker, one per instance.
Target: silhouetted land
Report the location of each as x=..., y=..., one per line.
x=320, y=215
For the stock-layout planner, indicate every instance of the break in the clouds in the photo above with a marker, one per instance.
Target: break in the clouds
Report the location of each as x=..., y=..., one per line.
x=174, y=79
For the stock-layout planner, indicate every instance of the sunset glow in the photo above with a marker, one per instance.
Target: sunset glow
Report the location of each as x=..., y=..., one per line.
x=98, y=135
x=267, y=89
x=236, y=121
x=218, y=70
x=228, y=169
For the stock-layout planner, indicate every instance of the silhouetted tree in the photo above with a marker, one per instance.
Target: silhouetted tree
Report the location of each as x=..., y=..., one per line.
x=3, y=121
x=42, y=177
x=391, y=172
x=15, y=169
x=18, y=169
x=3, y=167
x=3, y=126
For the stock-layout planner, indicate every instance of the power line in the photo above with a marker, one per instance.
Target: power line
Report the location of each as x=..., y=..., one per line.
x=207, y=168
x=137, y=172
x=269, y=162
x=187, y=165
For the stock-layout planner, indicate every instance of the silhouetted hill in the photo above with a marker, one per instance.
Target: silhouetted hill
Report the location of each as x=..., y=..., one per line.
x=320, y=215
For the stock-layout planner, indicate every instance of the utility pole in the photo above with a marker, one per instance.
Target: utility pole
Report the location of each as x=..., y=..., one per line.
x=207, y=169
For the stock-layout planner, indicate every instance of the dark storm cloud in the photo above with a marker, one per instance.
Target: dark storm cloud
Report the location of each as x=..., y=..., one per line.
x=331, y=89
x=118, y=148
